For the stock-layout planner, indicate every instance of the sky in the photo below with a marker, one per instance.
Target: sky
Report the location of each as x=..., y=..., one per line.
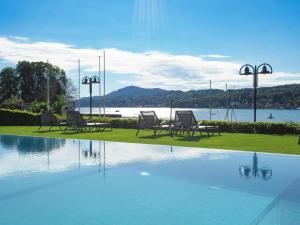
x=169, y=44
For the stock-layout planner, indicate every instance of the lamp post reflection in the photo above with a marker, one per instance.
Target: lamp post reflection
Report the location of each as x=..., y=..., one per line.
x=104, y=158
x=264, y=172
x=255, y=165
x=79, y=154
x=91, y=154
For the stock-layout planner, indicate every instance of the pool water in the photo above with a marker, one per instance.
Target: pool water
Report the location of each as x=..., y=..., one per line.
x=58, y=181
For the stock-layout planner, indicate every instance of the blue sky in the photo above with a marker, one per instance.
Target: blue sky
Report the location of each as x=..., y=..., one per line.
x=173, y=44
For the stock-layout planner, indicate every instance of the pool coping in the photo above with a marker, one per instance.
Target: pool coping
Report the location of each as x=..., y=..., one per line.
x=212, y=149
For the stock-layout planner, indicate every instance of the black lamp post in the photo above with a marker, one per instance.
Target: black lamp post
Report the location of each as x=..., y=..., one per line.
x=171, y=111
x=247, y=70
x=90, y=81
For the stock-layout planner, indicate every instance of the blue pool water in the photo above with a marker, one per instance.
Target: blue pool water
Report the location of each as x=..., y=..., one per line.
x=62, y=182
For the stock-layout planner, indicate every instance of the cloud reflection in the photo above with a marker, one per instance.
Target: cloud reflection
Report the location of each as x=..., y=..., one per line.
x=70, y=154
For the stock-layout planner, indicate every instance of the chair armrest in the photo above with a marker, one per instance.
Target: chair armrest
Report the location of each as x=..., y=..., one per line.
x=200, y=123
x=163, y=123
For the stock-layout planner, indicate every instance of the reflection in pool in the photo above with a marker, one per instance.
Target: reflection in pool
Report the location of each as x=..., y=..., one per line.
x=57, y=181
x=264, y=172
x=28, y=145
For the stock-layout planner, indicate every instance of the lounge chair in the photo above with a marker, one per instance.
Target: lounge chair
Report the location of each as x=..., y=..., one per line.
x=75, y=121
x=148, y=120
x=71, y=120
x=48, y=119
x=185, y=121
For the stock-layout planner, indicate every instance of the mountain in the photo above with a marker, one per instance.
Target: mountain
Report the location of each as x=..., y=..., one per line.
x=284, y=96
x=135, y=91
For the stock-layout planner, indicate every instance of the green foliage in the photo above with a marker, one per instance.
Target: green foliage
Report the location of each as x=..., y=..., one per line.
x=33, y=78
x=257, y=128
x=127, y=123
x=12, y=103
x=18, y=118
x=28, y=81
x=58, y=105
x=8, y=83
x=38, y=107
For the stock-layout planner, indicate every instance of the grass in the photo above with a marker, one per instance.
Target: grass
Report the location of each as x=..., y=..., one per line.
x=286, y=144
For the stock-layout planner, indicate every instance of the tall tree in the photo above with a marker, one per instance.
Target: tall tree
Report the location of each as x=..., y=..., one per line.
x=33, y=78
x=27, y=81
x=9, y=84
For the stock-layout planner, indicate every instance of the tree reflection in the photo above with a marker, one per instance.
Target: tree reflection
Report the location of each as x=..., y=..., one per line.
x=26, y=145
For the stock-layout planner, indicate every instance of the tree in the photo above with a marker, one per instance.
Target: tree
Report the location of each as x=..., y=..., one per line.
x=12, y=103
x=33, y=78
x=8, y=83
x=26, y=79
x=71, y=91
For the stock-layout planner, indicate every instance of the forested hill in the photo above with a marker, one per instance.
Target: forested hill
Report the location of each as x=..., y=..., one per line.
x=285, y=96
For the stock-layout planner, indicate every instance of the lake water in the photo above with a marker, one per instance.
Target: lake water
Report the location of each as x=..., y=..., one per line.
x=245, y=115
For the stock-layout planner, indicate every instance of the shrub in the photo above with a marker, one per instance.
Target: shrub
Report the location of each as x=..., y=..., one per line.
x=58, y=105
x=18, y=118
x=12, y=103
x=259, y=127
x=129, y=123
x=38, y=107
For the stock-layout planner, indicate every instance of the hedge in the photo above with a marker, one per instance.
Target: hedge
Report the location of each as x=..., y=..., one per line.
x=18, y=118
x=23, y=118
x=257, y=128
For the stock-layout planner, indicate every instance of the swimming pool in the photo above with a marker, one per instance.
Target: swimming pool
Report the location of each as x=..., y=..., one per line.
x=58, y=181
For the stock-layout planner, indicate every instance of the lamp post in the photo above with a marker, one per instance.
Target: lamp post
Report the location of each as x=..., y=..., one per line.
x=171, y=109
x=247, y=70
x=90, y=81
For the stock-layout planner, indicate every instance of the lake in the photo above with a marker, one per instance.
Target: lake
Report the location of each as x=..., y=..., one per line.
x=280, y=115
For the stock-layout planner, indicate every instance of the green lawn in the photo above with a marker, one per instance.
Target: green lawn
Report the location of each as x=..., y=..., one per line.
x=286, y=144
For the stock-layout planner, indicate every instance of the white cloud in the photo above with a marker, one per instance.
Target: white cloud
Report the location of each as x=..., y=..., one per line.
x=149, y=69
x=18, y=38
x=217, y=56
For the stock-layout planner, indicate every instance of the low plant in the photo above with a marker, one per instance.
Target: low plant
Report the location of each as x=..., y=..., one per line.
x=12, y=103
x=38, y=107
